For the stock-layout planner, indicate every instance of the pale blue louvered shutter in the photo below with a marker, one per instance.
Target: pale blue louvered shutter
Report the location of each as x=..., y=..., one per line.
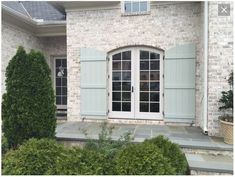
x=179, y=86
x=93, y=83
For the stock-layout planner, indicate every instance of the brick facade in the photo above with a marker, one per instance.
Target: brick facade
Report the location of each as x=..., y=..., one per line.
x=13, y=36
x=168, y=24
x=220, y=61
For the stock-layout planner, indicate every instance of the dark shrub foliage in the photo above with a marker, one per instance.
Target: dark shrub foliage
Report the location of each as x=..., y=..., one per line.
x=35, y=157
x=28, y=104
x=172, y=152
x=227, y=100
x=108, y=147
x=5, y=145
x=80, y=162
x=142, y=159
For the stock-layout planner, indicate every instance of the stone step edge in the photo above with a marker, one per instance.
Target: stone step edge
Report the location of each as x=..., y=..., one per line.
x=209, y=167
x=217, y=148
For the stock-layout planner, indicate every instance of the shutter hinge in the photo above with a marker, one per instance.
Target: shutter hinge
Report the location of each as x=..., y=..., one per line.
x=107, y=58
x=163, y=76
x=163, y=57
x=163, y=113
x=108, y=76
x=108, y=93
x=163, y=94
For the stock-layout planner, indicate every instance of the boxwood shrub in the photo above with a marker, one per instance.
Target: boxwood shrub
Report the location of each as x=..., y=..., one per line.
x=142, y=159
x=34, y=157
x=156, y=156
x=5, y=145
x=172, y=151
x=80, y=162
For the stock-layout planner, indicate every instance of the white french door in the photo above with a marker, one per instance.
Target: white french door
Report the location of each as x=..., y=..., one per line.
x=135, y=83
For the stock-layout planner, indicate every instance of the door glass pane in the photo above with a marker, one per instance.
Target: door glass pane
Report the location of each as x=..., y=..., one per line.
x=154, y=96
x=126, y=106
x=126, y=76
x=116, y=65
x=144, y=65
x=58, y=100
x=126, y=65
x=149, y=81
x=144, y=55
x=154, y=86
x=144, y=107
x=121, y=99
x=126, y=86
x=117, y=76
x=144, y=96
x=154, y=107
x=64, y=81
x=154, y=55
x=116, y=106
x=117, y=86
x=64, y=90
x=58, y=81
x=117, y=56
x=116, y=96
x=64, y=100
x=144, y=86
x=144, y=75
x=126, y=96
x=154, y=65
x=154, y=75
x=126, y=55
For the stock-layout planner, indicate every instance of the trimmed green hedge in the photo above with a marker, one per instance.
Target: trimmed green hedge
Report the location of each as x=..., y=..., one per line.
x=80, y=162
x=34, y=157
x=171, y=151
x=157, y=156
x=142, y=159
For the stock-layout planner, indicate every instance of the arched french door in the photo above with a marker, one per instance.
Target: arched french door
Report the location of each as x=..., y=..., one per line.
x=136, y=83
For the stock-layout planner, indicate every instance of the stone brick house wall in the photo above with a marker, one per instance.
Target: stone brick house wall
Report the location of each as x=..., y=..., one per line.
x=105, y=29
x=168, y=24
x=220, y=61
x=13, y=36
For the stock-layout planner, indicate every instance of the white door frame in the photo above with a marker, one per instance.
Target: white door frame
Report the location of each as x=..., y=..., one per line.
x=135, y=80
x=54, y=74
x=147, y=115
x=119, y=114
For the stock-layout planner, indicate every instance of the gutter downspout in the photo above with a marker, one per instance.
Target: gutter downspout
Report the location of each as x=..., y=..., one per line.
x=205, y=116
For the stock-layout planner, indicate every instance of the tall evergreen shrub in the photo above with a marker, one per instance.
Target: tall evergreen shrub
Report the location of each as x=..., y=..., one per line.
x=28, y=108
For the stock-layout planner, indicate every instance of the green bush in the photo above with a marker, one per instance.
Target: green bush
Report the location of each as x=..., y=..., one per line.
x=80, y=162
x=107, y=147
x=5, y=145
x=171, y=151
x=28, y=108
x=34, y=157
x=227, y=101
x=142, y=159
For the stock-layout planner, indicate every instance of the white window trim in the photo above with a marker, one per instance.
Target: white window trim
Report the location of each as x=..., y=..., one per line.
x=134, y=13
